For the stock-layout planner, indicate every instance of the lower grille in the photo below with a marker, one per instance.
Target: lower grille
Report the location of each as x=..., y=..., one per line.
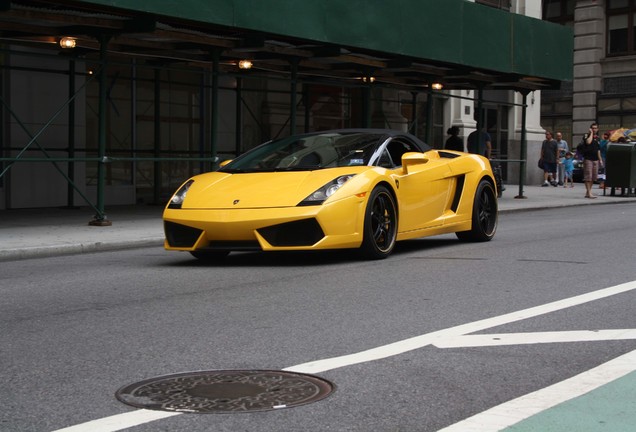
x=233, y=245
x=180, y=235
x=298, y=233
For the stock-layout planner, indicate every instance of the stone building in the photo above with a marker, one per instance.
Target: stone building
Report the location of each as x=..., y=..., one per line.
x=603, y=89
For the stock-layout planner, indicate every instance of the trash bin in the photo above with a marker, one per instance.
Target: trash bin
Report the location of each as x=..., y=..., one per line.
x=621, y=166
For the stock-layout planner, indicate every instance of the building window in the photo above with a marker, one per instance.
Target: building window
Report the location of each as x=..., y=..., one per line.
x=619, y=85
x=621, y=20
x=559, y=11
x=617, y=4
x=616, y=112
x=499, y=4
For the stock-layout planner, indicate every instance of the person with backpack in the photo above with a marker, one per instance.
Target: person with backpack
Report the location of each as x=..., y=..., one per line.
x=591, y=151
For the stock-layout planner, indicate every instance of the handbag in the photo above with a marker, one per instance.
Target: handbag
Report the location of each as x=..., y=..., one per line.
x=540, y=163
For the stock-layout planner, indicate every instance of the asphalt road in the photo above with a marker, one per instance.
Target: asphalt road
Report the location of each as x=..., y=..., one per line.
x=75, y=329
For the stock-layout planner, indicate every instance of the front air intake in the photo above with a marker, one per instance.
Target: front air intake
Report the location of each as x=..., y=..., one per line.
x=305, y=232
x=180, y=235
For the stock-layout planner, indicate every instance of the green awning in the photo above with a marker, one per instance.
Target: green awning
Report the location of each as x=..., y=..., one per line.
x=465, y=43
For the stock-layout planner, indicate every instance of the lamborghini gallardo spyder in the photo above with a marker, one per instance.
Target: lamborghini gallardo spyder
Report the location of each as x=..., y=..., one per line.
x=361, y=189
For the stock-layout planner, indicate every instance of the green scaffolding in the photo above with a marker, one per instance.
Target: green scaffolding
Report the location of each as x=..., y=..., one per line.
x=207, y=155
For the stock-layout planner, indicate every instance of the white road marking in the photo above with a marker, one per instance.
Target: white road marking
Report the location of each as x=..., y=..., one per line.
x=483, y=340
x=516, y=410
x=119, y=421
x=130, y=419
x=432, y=338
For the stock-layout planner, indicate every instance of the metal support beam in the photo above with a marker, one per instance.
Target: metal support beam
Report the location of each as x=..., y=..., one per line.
x=523, y=151
x=202, y=116
x=292, y=101
x=157, y=135
x=70, y=191
x=306, y=94
x=366, y=102
x=480, y=118
x=239, y=116
x=413, y=128
x=214, y=120
x=428, y=134
x=100, y=218
x=3, y=141
x=133, y=118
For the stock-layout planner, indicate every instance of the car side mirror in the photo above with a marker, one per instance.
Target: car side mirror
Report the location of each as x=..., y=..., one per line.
x=225, y=162
x=411, y=158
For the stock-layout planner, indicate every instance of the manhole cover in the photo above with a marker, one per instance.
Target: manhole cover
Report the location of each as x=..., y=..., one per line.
x=225, y=391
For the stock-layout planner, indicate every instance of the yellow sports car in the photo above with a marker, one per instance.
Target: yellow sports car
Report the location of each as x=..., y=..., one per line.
x=349, y=188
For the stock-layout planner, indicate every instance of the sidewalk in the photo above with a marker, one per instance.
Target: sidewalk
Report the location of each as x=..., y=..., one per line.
x=32, y=233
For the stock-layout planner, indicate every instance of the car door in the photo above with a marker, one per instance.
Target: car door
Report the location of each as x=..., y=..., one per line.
x=423, y=189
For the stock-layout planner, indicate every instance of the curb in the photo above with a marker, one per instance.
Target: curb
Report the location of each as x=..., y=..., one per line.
x=17, y=254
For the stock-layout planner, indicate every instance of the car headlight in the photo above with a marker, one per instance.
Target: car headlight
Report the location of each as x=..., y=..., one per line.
x=321, y=194
x=177, y=199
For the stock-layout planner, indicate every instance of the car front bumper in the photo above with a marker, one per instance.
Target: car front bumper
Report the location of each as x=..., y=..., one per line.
x=330, y=226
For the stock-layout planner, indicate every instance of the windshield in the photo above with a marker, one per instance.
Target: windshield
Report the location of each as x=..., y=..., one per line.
x=306, y=152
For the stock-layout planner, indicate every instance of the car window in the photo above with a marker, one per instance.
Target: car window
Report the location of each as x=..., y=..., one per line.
x=326, y=149
x=397, y=147
x=385, y=160
x=309, y=152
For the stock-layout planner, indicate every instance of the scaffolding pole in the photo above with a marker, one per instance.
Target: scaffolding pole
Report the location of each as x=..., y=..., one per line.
x=523, y=150
x=100, y=218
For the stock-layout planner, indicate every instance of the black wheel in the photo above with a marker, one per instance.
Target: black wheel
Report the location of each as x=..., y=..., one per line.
x=210, y=255
x=484, y=215
x=380, y=225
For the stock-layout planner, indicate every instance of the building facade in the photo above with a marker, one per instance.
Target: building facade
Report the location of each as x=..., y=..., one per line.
x=604, y=76
x=146, y=123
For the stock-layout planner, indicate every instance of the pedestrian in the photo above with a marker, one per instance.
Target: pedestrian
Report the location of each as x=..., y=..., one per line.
x=563, y=149
x=568, y=169
x=454, y=142
x=591, y=152
x=549, y=155
x=474, y=145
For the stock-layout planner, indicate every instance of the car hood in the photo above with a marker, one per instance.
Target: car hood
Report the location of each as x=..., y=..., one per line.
x=218, y=190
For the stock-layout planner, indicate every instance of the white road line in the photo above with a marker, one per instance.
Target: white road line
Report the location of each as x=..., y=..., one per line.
x=483, y=340
x=120, y=421
x=516, y=410
x=126, y=420
x=431, y=338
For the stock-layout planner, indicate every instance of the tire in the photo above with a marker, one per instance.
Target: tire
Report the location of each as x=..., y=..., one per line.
x=380, y=225
x=210, y=255
x=484, y=215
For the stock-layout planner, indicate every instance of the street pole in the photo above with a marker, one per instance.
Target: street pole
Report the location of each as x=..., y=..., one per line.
x=100, y=218
x=523, y=151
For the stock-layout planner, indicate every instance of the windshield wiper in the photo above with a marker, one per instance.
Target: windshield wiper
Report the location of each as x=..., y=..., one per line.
x=232, y=170
x=297, y=168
